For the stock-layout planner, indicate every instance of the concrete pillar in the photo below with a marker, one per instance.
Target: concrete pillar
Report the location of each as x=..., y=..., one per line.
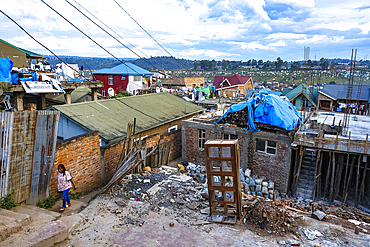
x=18, y=100
x=43, y=101
x=94, y=94
x=67, y=96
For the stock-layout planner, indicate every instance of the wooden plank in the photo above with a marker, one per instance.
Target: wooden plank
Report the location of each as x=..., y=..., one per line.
x=357, y=180
x=319, y=177
x=349, y=140
x=326, y=189
x=296, y=177
x=338, y=176
x=345, y=175
x=367, y=138
x=336, y=141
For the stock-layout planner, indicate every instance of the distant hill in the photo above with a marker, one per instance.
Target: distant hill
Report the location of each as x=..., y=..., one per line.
x=95, y=63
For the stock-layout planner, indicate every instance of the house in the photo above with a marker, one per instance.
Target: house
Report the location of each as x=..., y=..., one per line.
x=20, y=57
x=333, y=97
x=302, y=97
x=264, y=136
x=154, y=113
x=230, y=86
x=189, y=82
x=124, y=77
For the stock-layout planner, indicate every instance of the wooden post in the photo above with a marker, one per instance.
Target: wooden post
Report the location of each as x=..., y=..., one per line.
x=326, y=189
x=338, y=176
x=348, y=180
x=296, y=177
x=331, y=192
x=336, y=141
x=345, y=176
x=357, y=180
x=367, y=137
x=319, y=177
x=318, y=156
x=362, y=190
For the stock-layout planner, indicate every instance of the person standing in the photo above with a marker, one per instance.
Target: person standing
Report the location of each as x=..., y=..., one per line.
x=65, y=183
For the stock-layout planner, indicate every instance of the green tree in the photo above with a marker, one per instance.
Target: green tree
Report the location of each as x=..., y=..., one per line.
x=279, y=63
x=295, y=65
x=213, y=64
x=324, y=63
x=225, y=64
x=196, y=65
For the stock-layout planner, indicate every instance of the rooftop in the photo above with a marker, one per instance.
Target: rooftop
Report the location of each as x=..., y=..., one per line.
x=123, y=69
x=110, y=117
x=29, y=53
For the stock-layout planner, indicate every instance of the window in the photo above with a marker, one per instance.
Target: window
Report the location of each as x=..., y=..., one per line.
x=123, y=78
x=104, y=92
x=201, y=138
x=172, y=129
x=110, y=80
x=137, y=77
x=229, y=137
x=267, y=147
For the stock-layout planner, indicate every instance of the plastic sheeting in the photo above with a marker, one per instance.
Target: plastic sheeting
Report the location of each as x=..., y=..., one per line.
x=206, y=90
x=268, y=109
x=6, y=66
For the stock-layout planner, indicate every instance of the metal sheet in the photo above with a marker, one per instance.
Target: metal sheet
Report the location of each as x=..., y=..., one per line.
x=21, y=155
x=6, y=122
x=43, y=158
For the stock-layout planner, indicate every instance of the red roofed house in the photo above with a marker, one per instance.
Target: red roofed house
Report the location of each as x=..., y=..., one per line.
x=233, y=85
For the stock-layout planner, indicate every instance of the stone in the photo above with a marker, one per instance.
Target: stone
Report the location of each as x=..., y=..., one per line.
x=247, y=173
x=319, y=214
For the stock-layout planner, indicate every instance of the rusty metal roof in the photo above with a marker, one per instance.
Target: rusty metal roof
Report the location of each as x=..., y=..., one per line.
x=110, y=117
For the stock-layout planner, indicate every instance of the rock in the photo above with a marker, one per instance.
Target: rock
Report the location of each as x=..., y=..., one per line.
x=204, y=211
x=259, y=181
x=258, y=188
x=312, y=234
x=247, y=173
x=319, y=214
x=264, y=184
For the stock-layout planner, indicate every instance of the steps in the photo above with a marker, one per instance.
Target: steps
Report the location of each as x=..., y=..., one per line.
x=28, y=225
x=307, y=175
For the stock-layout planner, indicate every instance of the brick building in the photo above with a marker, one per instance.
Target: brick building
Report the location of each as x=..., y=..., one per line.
x=189, y=82
x=265, y=153
x=230, y=86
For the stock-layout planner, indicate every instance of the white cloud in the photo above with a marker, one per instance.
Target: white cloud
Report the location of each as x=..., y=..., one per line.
x=196, y=53
x=256, y=45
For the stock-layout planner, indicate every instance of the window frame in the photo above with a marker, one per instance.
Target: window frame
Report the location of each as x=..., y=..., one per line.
x=266, y=147
x=139, y=77
x=110, y=80
x=123, y=78
x=201, y=138
x=226, y=136
x=104, y=92
x=172, y=129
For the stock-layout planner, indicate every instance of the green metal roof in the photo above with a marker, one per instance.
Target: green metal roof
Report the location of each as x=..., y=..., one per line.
x=76, y=95
x=303, y=88
x=110, y=117
x=29, y=53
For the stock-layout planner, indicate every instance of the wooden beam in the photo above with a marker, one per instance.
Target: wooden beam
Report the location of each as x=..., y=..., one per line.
x=296, y=178
x=357, y=180
x=349, y=140
x=367, y=138
x=336, y=141
x=326, y=189
x=338, y=176
x=319, y=177
x=362, y=190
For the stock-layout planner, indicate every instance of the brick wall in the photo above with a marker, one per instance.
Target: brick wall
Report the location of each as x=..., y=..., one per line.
x=81, y=157
x=273, y=167
x=174, y=138
x=110, y=155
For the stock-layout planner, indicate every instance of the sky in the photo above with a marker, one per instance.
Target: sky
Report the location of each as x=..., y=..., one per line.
x=194, y=29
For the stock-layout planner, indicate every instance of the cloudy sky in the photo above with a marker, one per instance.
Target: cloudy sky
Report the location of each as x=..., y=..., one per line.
x=195, y=29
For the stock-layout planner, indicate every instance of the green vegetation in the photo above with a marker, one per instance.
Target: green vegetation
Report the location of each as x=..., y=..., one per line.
x=47, y=203
x=122, y=94
x=7, y=202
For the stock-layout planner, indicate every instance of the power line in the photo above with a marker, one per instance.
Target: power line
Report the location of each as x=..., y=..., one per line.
x=110, y=29
x=108, y=33
x=149, y=34
x=37, y=40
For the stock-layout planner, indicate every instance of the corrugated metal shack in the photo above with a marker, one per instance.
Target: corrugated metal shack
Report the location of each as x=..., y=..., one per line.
x=27, y=142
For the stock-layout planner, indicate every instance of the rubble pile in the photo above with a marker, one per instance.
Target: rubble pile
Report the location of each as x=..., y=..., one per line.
x=257, y=186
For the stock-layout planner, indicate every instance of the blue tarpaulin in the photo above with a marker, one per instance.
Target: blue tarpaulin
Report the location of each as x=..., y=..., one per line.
x=268, y=109
x=6, y=66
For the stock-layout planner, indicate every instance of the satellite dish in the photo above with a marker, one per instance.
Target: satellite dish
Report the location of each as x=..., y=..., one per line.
x=111, y=92
x=157, y=89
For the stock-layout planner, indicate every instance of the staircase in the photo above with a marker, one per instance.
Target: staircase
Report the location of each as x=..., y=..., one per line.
x=307, y=174
x=28, y=225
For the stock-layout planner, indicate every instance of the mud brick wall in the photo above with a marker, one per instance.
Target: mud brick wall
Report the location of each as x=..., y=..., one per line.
x=274, y=167
x=81, y=157
x=174, y=138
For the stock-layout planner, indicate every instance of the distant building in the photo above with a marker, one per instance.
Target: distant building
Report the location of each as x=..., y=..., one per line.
x=306, y=53
x=124, y=77
x=230, y=86
x=20, y=57
x=302, y=97
x=189, y=82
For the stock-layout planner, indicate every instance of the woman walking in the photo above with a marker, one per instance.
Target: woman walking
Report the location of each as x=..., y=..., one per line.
x=65, y=183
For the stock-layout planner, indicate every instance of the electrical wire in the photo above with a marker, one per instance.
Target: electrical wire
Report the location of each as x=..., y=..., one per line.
x=108, y=33
x=37, y=40
x=110, y=28
x=149, y=34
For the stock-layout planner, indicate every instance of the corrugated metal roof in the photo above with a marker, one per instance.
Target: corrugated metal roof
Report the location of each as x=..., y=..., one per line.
x=340, y=91
x=124, y=69
x=29, y=53
x=311, y=93
x=110, y=117
x=76, y=95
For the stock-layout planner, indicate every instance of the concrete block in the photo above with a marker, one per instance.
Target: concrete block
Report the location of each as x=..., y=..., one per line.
x=72, y=221
x=50, y=234
x=8, y=226
x=20, y=218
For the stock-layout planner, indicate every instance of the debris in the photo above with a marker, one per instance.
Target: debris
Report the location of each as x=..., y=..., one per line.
x=319, y=214
x=147, y=169
x=357, y=230
x=312, y=234
x=172, y=224
x=202, y=223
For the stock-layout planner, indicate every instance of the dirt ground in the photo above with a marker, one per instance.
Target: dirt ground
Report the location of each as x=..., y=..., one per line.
x=169, y=210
